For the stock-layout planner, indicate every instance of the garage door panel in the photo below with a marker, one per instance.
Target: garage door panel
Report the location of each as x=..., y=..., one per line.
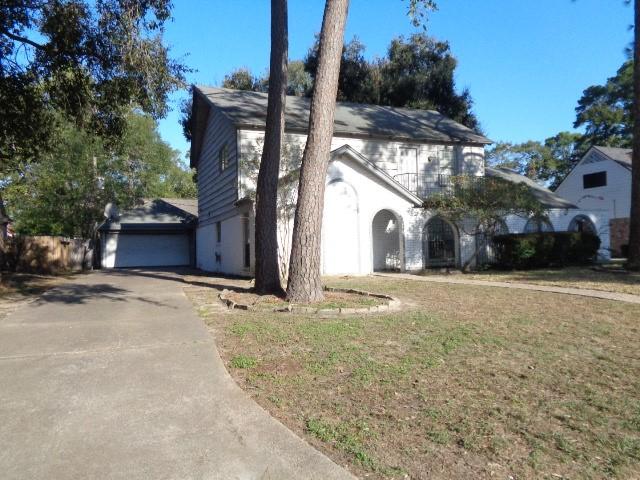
x=137, y=250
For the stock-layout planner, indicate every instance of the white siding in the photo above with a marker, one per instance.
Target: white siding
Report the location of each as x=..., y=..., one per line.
x=468, y=159
x=615, y=197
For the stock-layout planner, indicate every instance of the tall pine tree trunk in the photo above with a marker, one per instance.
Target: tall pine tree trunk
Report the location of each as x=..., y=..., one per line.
x=266, y=231
x=304, y=283
x=634, y=224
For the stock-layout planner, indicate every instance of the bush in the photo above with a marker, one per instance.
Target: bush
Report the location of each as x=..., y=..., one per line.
x=545, y=249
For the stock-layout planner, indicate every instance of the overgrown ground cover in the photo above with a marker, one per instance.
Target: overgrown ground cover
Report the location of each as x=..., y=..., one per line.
x=575, y=277
x=467, y=382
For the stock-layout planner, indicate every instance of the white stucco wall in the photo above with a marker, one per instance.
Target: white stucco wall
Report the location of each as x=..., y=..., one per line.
x=230, y=249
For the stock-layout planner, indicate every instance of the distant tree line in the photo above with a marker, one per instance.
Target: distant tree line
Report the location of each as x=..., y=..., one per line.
x=416, y=72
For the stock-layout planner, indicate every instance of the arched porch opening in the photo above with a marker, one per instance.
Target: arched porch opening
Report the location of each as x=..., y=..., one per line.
x=440, y=244
x=386, y=233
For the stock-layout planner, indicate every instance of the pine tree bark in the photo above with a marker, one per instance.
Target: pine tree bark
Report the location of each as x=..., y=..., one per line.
x=267, y=274
x=304, y=284
x=633, y=262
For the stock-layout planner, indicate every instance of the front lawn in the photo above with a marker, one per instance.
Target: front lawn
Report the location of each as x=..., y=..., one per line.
x=467, y=382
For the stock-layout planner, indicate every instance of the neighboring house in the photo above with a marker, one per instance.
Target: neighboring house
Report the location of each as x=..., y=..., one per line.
x=600, y=185
x=159, y=232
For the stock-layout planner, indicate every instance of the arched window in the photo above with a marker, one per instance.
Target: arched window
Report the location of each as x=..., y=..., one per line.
x=582, y=223
x=538, y=225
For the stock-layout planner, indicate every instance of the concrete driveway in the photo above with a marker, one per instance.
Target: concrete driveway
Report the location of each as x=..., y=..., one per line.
x=114, y=376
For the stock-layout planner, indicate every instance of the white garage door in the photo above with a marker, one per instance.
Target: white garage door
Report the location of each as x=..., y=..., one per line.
x=133, y=250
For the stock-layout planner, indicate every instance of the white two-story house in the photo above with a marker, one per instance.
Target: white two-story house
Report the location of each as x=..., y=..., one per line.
x=600, y=186
x=384, y=162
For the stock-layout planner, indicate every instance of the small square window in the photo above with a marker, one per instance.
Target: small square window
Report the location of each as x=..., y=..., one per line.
x=594, y=180
x=223, y=158
x=218, y=232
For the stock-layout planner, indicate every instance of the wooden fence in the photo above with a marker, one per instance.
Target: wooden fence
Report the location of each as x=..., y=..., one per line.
x=46, y=254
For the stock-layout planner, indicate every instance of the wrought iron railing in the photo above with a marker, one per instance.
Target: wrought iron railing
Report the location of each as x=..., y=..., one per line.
x=424, y=185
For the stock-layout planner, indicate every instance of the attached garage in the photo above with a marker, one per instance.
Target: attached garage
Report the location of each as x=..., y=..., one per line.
x=159, y=233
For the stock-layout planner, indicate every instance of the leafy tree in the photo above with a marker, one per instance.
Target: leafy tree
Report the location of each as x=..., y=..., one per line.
x=89, y=60
x=547, y=162
x=479, y=204
x=65, y=192
x=243, y=79
x=606, y=111
x=418, y=72
x=299, y=81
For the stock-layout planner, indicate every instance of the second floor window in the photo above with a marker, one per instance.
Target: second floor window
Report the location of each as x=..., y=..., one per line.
x=593, y=180
x=223, y=158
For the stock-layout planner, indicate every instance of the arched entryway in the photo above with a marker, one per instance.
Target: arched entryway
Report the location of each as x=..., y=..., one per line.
x=583, y=224
x=440, y=243
x=386, y=233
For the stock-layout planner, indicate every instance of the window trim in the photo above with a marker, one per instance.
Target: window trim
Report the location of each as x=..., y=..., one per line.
x=223, y=158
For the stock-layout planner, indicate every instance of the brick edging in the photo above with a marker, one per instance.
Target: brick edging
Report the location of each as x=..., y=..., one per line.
x=392, y=304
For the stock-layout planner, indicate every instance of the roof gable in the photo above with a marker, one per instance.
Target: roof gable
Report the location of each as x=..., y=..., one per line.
x=345, y=151
x=248, y=109
x=163, y=213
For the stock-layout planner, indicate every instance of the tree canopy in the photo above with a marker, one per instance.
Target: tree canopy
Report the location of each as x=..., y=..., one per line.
x=606, y=111
x=90, y=62
x=417, y=72
x=65, y=193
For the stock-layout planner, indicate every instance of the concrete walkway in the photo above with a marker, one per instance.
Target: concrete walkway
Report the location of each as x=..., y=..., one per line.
x=582, y=292
x=113, y=376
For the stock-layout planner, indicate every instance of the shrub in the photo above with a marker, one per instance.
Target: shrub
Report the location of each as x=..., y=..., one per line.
x=545, y=249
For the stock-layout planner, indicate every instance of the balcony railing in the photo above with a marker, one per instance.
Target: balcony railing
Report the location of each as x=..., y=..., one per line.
x=424, y=185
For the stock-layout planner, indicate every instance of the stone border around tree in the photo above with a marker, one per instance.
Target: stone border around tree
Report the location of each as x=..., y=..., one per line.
x=393, y=304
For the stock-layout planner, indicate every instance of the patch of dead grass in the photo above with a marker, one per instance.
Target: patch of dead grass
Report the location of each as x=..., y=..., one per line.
x=471, y=382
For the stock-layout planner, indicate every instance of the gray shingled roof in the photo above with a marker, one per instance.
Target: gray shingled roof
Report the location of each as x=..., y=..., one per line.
x=249, y=110
x=157, y=214
x=544, y=195
x=619, y=155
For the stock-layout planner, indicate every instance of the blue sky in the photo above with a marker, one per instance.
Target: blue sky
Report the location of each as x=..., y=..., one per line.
x=525, y=62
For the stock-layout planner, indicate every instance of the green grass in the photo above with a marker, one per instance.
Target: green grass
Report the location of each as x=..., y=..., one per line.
x=243, y=361
x=528, y=385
